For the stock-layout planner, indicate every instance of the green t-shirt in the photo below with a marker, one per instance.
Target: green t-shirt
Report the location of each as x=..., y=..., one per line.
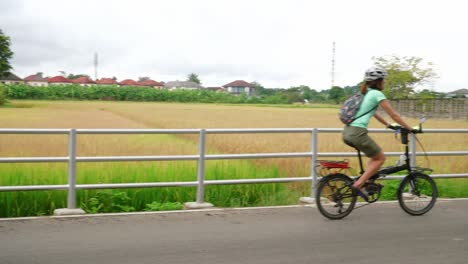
x=371, y=99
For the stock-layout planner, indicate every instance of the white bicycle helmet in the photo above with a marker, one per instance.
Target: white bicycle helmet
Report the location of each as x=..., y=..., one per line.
x=375, y=73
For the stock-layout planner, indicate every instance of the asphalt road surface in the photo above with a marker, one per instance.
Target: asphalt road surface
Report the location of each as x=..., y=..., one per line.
x=380, y=233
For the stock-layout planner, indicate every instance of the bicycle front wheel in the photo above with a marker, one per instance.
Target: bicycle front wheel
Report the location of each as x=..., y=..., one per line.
x=417, y=194
x=334, y=197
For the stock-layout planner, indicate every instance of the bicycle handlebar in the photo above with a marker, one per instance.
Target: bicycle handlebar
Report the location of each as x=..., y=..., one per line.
x=404, y=132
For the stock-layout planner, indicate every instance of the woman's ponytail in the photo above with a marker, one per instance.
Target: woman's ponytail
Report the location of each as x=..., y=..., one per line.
x=363, y=88
x=375, y=84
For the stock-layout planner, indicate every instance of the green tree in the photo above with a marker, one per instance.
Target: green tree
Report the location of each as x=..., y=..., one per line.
x=294, y=95
x=336, y=94
x=5, y=54
x=192, y=77
x=142, y=79
x=423, y=97
x=3, y=98
x=350, y=90
x=72, y=76
x=262, y=91
x=307, y=93
x=404, y=74
x=427, y=94
x=311, y=95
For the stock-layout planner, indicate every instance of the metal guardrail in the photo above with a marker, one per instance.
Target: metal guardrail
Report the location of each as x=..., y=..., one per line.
x=72, y=159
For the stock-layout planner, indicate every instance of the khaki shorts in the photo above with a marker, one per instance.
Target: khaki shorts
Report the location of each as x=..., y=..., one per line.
x=357, y=137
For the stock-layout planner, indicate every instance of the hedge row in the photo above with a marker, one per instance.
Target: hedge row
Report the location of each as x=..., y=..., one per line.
x=129, y=93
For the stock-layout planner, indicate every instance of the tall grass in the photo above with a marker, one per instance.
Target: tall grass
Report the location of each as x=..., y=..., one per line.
x=29, y=203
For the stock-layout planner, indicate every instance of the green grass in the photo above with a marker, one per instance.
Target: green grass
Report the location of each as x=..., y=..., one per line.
x=36, y=203
x=33, y=203
x=447, y=188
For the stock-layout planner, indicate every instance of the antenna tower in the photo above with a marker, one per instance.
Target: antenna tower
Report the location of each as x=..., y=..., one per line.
x=333, y=67
x=95, y=65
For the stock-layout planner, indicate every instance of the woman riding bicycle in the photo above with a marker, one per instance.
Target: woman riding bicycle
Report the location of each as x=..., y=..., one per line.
x=355, y=134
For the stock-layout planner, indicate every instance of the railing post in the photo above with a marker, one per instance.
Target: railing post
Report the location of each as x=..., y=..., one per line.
x=313, y=171
x=201, y=167
x=71, y=200
x=413, y=150
x=200, y=202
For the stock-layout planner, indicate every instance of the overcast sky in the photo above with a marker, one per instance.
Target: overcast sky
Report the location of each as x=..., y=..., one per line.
x=278, y=43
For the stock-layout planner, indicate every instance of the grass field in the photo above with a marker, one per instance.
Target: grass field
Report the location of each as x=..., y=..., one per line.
x=52, y=114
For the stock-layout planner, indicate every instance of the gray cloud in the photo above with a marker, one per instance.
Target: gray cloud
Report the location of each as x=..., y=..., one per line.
x=286, y=44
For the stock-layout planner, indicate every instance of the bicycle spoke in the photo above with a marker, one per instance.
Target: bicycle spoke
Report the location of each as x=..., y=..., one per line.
x=334, y=198
x=417, y=194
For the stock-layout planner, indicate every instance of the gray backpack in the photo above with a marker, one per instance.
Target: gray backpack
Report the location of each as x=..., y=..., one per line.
x=350, y=107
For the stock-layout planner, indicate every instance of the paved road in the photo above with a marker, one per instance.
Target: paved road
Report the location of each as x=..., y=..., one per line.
x=381, y=233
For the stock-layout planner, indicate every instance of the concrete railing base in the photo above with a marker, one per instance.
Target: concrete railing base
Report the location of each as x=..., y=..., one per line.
x=310, y=200
x=66, y=211
x=307, y=200
x=195, y=205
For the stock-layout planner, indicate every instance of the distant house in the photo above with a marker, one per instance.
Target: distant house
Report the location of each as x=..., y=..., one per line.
x=128, y=82
x=240, y=86
x=84, y=81
x=151, y=83
x=460, y=93
x=182, y=85
x=11, y=78
x=106, y=81
x=216, y=89
x=59, y=80
x=36, y=80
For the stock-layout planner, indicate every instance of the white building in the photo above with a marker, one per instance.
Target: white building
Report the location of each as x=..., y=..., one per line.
x=10, y=78
x=240, y=86
x=182, y=85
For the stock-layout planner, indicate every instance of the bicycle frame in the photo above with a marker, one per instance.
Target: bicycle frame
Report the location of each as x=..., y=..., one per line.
x=393, y=169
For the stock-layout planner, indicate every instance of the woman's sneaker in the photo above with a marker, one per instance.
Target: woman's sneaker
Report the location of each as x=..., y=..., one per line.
x=360, y=192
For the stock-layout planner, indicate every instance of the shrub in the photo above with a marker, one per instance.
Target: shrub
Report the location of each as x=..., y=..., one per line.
x=3, y=97
x=108, y=202
x=157, y=206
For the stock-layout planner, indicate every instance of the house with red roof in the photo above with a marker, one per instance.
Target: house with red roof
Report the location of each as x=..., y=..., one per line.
x=84, y=81
x=151, y=83
x=128, y=82
x=240, y=86
x=59, y=80
x=106, y=81
x=36, y=80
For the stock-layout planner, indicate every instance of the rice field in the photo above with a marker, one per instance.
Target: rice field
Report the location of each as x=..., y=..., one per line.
x=89, y=114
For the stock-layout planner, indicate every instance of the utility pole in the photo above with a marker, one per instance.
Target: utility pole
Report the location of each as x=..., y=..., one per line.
x=95, y=65
x=333, y=66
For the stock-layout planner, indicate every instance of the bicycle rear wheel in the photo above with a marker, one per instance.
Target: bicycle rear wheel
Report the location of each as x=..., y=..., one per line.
x=417, y=194
x=334, y=197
